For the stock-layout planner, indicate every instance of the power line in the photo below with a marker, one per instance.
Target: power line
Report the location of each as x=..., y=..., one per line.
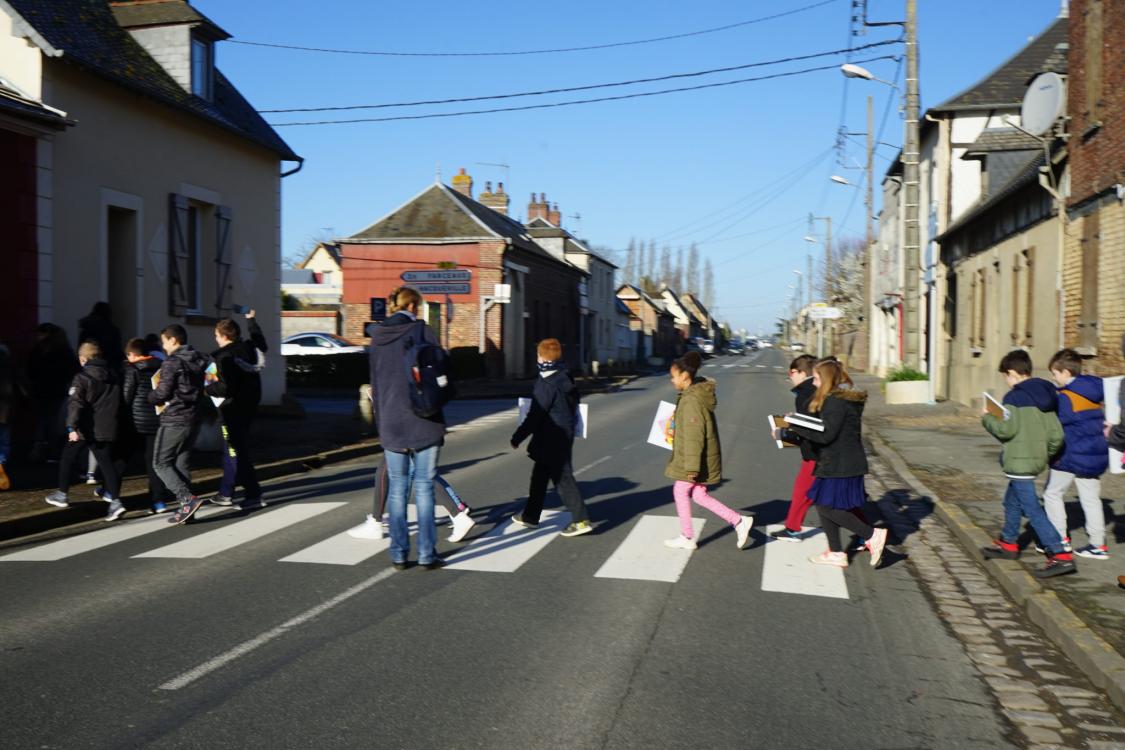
x=383, y=53
x=570, y=103
x=569, y=89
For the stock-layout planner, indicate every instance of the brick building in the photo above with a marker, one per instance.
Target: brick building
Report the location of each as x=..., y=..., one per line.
x=443, y=228
x=659, y=339
x=1094, y=265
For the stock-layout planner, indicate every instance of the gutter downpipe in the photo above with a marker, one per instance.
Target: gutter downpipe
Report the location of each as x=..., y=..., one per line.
x=294, y=170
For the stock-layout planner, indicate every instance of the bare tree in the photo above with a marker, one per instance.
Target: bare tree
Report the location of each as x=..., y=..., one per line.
x=295, y=258
x=708, y=285
x=666, y=266
x=642, y=264
x=630, y=270
x=845, y=284
x=691, y=282
x=651, y=270
x=678, y=271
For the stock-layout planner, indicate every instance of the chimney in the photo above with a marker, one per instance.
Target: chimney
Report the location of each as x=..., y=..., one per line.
x=554, y=217
x=538, y=209
x=463, y=183
x=497, y=201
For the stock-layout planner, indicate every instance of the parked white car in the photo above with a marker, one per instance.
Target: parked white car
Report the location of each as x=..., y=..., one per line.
x=317, y=343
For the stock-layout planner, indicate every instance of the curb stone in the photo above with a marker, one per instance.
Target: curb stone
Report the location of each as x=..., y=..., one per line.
x=1101, y=663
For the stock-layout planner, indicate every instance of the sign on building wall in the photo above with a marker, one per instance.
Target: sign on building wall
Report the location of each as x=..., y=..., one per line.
x=441, y=288
x=438, y=276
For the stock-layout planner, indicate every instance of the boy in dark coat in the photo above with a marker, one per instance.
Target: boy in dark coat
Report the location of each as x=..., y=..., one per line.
x=91, y=421
x=135, y=390
x=801, y=377
x=238, y=383
x=178, y=392
x=550, y=423
x=1084, y=456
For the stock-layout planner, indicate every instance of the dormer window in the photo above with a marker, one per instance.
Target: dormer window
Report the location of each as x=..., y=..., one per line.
x=202, y=68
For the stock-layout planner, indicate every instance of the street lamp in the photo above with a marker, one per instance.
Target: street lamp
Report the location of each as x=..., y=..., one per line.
x=842, y=180
x=856, y=71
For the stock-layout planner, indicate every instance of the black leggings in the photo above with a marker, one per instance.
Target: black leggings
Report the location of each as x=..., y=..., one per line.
x=831, y=519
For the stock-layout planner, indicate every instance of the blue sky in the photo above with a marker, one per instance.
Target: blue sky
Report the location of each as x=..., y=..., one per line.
x=734, y=168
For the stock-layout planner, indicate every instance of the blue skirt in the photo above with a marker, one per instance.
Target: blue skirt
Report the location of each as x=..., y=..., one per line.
x=842, y=493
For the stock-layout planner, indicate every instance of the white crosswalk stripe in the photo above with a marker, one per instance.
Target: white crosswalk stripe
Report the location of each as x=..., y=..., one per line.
x=508, y=546
x=76, y=545
x=643, y=555
x=235, y=534
x=787, y=568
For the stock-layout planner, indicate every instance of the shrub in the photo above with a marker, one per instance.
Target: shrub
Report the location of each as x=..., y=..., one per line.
x=906, y=372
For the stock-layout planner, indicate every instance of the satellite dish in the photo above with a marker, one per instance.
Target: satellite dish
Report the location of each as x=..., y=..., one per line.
x=1043, y=104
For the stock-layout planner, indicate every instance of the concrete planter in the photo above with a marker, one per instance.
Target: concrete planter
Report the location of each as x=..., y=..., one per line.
x=908, y=392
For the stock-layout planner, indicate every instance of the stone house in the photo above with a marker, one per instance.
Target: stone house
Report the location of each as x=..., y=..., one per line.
x=659, y=341
x=687, y=324
x=1094, y=266
x=135, y=173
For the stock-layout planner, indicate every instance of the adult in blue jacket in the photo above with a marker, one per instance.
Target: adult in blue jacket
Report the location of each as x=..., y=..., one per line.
x=1085, y=453
x=411, y=443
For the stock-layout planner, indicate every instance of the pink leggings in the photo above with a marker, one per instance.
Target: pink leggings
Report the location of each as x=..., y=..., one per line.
x=685, y=492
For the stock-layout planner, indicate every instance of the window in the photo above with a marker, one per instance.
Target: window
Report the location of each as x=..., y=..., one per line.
x=202, y=68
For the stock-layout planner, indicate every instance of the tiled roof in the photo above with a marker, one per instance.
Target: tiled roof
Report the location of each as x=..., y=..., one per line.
x=1006, y=85
x=89, y=36
x=1003, y=139
x=12, y=103
x=1026, y=175
x=158, y=13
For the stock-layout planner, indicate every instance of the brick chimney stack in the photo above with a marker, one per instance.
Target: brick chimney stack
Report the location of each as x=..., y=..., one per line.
x=463, y=183
x=498, y=201
x=554, y=216
x=538, y=209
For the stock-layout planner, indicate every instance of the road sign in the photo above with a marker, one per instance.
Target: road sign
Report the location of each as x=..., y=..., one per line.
x=378, y=309
x=456, y=274
x=442, y=288
x=825, y=313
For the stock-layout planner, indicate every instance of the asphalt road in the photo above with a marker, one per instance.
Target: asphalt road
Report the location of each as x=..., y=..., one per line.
x=236, y=647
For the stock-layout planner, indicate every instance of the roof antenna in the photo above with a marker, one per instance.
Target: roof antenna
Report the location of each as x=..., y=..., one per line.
x=437, y=172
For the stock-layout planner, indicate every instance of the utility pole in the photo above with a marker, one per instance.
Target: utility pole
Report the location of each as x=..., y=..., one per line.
x=911, y=238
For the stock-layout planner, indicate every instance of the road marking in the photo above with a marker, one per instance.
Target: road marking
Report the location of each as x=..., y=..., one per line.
x=343, y=549
x=762, y=366
x=232, y=535
x=508, y=546
x=587, y=467
x=643, y=556
x=786, y=568
x=247, y=646
x=76, y=545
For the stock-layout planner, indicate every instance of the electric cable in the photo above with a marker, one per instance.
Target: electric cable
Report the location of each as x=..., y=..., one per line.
x=383, y=53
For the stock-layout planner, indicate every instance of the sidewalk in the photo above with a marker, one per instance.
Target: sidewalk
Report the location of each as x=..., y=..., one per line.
x=286, y=441
x=944, y=452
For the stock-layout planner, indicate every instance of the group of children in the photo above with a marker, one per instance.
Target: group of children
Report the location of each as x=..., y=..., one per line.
x=162, y=395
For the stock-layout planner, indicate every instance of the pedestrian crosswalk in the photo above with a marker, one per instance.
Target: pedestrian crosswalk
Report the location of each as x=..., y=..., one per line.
x=508, y=415
x=507, y=547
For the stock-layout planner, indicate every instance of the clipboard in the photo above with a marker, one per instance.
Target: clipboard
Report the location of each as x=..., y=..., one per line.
x=777, y=422
x=995, y=408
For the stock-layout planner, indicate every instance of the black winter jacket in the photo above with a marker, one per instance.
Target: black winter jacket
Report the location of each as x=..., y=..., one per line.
x=804, y=393
x=240, y=383
x=400, y=429
x=137, y=385
x=840, y=450
x=550, y=420
x=95, y=403
x=181, y=386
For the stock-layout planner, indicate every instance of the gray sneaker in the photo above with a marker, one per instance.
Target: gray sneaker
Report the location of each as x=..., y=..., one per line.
x=252, y=503
x=58, y=499
x=219, y=499
x=116, y=510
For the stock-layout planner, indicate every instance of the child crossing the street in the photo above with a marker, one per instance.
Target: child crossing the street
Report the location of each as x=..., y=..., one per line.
x=550, y=423
x=801, y=378
x=91, y=422
x=1085, y=452
x=697, y=459
x=140, y=368
x=460, y=517
x=1031, y=434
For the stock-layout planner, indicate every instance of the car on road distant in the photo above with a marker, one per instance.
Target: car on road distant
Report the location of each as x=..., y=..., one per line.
x=796, y=346
x=735, y=346
x=707, y=346
x=764, y=344
x=317, y=343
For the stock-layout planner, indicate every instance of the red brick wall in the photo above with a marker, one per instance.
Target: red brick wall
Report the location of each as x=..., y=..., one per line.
x=1097, y=158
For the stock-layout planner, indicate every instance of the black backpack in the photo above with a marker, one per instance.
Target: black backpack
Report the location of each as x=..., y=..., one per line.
x=427, y=374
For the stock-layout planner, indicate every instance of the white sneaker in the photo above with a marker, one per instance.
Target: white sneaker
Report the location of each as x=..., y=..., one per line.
x=742, y=531
x=371, y=529
x=836, y=559
x=462, y=523
x=876, y=544
x=680, y=542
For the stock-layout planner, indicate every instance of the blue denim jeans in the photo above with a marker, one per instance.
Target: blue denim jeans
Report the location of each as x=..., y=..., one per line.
x=1021, y=500
x=403, y=470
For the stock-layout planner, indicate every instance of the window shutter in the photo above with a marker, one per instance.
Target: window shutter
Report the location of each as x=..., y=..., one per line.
x=1088, y=316
x=222, y=259
x=178, y=254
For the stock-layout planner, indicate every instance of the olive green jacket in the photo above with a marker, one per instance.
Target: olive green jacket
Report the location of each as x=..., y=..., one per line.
x=695, y=440
x=1030, y=437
